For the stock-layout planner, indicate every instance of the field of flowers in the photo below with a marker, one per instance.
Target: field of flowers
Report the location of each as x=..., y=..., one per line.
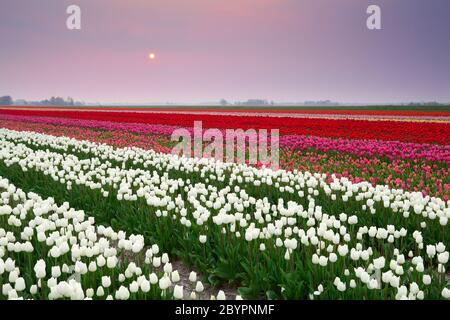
x=94, y=205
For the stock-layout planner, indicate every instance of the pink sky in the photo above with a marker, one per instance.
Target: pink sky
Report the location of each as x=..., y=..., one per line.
x=283, y=50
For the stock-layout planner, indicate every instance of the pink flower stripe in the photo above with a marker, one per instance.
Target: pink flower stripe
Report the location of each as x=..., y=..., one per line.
x=388, y=149
x=97, y=124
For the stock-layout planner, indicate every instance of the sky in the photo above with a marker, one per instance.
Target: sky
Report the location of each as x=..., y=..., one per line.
x=281, y=50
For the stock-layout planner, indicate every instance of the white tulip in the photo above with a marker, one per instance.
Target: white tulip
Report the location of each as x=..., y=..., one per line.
x=106, y=281
x=445, y=293
x=13, y=276
x=156, y=262
x=202, y=239
x=33, y=289
x=56, y=271
x=111, y=262
x=153, y=278
x=193, y=276
x=145, y=286
x=19, y=285
x=100, y=292
x=221, y=295
x=199, y=287
x=426, y=279
x=39, y=269
x=167, y=267
x=443, y=257
x=379, y=263
x=431, y=250
x=164, y=283
x=175, y=276
x=134, y=287
x=178, y=292
x=122, y=293
x=440, y=247
x=90, y=293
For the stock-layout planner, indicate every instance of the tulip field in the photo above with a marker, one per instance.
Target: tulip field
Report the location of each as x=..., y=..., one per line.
x=93, y=205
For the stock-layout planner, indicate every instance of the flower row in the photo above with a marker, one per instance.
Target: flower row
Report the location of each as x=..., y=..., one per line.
x=416, y=132
x=389, y=149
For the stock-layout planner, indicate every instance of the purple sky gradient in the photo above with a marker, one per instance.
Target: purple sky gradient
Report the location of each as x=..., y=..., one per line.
x=282, y=50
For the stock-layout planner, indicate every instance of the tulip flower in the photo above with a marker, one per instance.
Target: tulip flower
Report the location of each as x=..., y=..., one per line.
x=39, y=269
x=221, y=295
x=199, y=287
x=193, y=276
x=202, y=239
x=178, y=292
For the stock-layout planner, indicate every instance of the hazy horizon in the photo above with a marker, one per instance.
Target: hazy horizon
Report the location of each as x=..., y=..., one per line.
x=281, y=50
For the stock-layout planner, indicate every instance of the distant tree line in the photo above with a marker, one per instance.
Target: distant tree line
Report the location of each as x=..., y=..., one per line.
x=265, y=103
x=58, y=101
x=255, y=102
x=53, y=101
x=6, y=101
x=430, y=103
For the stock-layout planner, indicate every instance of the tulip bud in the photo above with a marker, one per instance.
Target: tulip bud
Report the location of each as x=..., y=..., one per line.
x=199, y=287
x=145, y=286
x=19, y=285
x=445, y=293
x=178, y=292
x=153, y=278
x=175, y=276
x=100, y=291
x=193, y=276
x=221, y=295
x=202, y=239
x=426, y=279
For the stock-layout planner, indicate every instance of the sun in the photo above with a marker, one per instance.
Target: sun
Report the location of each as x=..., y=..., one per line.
x=152, y=56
